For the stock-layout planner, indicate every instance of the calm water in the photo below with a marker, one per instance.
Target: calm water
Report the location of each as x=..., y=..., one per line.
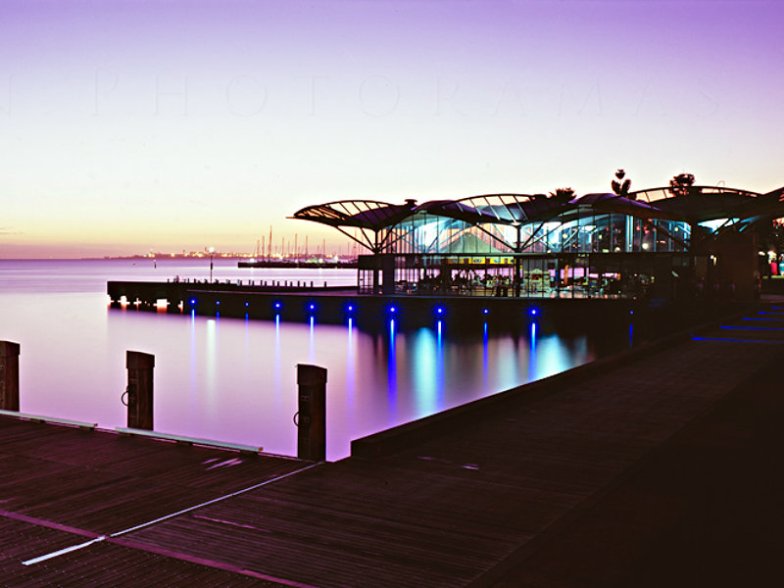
x=235, y=380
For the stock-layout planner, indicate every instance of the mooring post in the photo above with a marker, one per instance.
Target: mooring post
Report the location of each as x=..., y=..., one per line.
x=9, y=375
x=139, y=393
x=311, y=418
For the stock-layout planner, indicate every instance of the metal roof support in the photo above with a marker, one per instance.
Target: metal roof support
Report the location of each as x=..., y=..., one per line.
x=495, y=237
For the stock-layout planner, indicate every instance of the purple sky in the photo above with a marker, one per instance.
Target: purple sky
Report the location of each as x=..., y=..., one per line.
x=126, y=126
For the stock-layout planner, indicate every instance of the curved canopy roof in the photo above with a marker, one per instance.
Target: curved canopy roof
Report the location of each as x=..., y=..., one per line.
x=516, y=208
x=616, y=204
x=460, y=211
x=362, y=214
x=699, y=203
x=694, y=205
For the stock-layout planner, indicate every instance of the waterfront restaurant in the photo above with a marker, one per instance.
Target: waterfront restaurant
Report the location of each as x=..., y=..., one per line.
x=662, y=243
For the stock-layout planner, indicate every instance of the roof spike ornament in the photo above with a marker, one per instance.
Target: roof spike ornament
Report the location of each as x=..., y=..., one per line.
x=562, y=194
x=681, y=185
x=621, y=186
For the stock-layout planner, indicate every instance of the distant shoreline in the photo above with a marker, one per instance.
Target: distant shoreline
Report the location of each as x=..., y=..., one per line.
x=243, y=260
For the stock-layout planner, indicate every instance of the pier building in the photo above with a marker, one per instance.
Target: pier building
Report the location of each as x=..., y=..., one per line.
x=497, y=256
x=658, y=243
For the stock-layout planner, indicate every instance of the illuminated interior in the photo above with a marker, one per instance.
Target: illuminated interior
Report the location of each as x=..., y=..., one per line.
x=597, y=245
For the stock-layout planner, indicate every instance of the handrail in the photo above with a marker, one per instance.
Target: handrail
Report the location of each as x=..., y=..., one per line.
x=190, y=440
x=47, y=419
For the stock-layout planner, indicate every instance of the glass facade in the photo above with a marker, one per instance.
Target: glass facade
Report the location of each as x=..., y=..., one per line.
x=644, y=243
x=577, y=253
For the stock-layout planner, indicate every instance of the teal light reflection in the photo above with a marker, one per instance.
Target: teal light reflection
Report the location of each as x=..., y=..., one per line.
x=553, y=356
x=532, y=359
x=424, y=372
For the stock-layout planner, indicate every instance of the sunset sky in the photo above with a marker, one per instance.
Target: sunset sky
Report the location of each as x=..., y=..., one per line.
x=134, y=125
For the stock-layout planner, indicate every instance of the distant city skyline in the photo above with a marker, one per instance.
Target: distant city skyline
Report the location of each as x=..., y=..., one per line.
x=131, y=126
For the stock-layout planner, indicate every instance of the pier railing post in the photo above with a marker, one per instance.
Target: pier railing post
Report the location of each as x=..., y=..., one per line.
x=312, y=415
x=9, y=375
x=140, y=388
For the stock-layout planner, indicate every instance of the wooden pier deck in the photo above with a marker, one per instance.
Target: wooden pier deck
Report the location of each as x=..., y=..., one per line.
x=665, y=470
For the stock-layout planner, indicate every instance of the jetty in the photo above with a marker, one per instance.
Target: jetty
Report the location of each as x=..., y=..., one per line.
x=300, y=301
x=655, y=467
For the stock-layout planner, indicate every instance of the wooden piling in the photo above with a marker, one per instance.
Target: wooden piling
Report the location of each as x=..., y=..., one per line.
x=140, y=390
x=9, y=375
x=312, y=414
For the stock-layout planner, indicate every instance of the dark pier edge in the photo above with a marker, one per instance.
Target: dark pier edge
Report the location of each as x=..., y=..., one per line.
x=334, y=305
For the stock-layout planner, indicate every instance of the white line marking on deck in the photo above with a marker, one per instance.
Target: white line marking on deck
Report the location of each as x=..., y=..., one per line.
x=63, y=551
x=213, y=501
x=72, y=548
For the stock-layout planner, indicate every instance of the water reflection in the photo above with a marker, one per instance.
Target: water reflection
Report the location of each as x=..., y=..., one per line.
x=312, y=340
x=423, y=370
x=193, y=387
x=276, y=364
x=392, y=370
x=485, y=354
x=532, y=358
x=210, y=359
x=235, y=380
x=440, y=365
x=351, y=365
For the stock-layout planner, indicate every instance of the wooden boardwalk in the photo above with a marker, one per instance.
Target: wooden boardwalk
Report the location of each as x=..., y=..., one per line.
x=600, y=481
x=61, y=486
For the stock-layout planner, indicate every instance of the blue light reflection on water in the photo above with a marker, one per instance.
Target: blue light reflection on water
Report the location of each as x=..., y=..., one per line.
x=440, y=365
x=485, y=356
x=532, y=367
x=277, y=376
x=351, y=364
x=392, y=369
x=312, y=340
x=234, y=379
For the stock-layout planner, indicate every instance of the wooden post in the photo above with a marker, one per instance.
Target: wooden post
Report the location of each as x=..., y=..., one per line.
x=140, y=387
x=9, y=375
x=312, y=421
